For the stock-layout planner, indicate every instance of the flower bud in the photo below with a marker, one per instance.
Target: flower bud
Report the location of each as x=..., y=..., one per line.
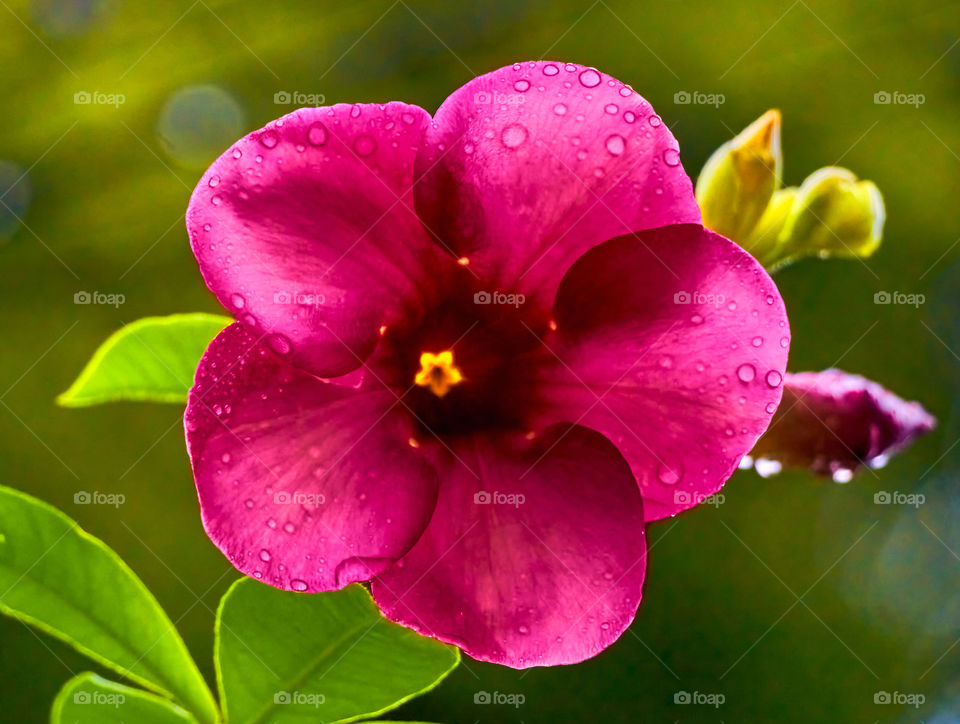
x=833, y=214
x=738, y=180
x=765, y=241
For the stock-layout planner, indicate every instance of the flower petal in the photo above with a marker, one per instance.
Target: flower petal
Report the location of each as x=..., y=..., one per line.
x=305, y=484
x=305, y=229
x=528, y=564
x=833, y=422
x=673, y=344
x=527, y=167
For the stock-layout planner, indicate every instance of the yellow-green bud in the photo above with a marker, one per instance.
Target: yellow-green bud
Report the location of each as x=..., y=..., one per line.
x=739, y=179
x=765, y=241
x=833, y=214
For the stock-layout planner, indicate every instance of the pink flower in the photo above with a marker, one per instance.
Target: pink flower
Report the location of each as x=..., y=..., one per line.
x=833, y=423
x=475, y=353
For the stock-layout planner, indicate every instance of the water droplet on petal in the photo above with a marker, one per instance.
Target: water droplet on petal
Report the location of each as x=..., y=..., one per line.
x=550, y=69
x=523, y=630
x=237, y=153
x=248, y=502
x=696, y=319
x=216, y=200
x=214, y=181
x=268, y=139
x=521, y=86
x=364, y=145
x=560, y=109
x=671, y=157
x=630, y=117
x=317, y=134
x=774, y=378
x=590, y=78
x=784, y=342
x=615, y=144
x=237, y=300
x=297, y=585
x=611, y=108
x=757, y=341
x=279, y=344
x=746, y=372
x=669, y=474
x=654, y=121
x=513, y=135
x=771, y=408
x=265, y=555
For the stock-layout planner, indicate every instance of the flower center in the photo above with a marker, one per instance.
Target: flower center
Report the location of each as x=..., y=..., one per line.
x=438, y=372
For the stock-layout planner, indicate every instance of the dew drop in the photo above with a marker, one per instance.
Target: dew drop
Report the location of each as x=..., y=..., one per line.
x=630, y=117
x=279, y=344
x=626, y=91
x=521, y=86
x=317, y=134
x=265, y=555
x=289, y=527
x=237, y=153
x=237, y=300
x=225, y=458
x=669, y=474
x=590, y=78
x=364, y=145
x=771, y=408
x=355, y=111
x=784, y=342
x=654, y=121
x=757, y=341
x=214, y=182
x=271, y=524
x=696, y=319
x=666, y=362
x=249, y=503
x=297, y=585
x=268, y=139
x=550, y=69
x=615, y=144
x=560, y=109
x=671, y=157
x=746, y=372
x=774, y=378
x=513, y=135
x=611, y=108
x=523, y=630
x=216, y=200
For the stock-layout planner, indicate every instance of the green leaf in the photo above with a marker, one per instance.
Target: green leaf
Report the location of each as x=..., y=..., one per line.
x=294, y=657
x=90, y=699
x=152, y=359
x=67, y=583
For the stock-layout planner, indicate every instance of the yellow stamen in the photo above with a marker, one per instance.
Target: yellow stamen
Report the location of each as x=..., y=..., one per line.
x=463, y=261
x=438, y=372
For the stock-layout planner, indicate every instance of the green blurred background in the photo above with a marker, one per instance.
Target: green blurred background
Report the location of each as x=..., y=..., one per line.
x=101, y=189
